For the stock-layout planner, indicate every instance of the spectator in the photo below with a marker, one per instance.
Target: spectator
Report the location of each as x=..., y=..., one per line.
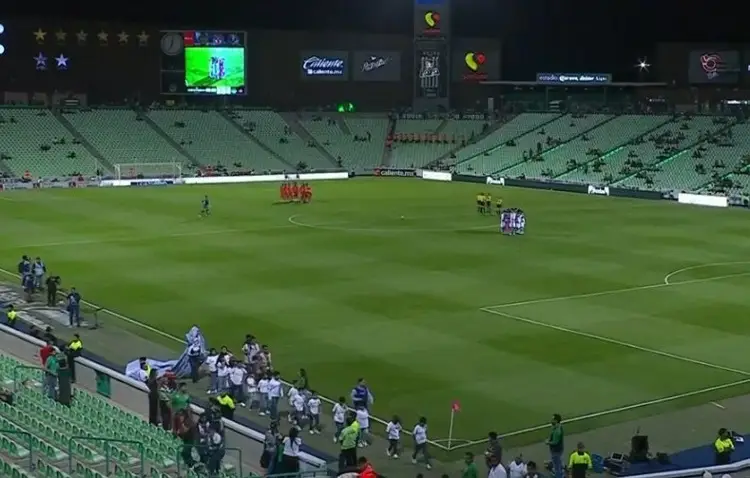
x=237, y=382
x=216, y=450
x=365, y=468
x=496, y=469
x=270, y=449
x=302, y=381
x=517, y=468
x=470, y=471
x=275, y=392
x=185, y=430
x=420, y=442
x=180, y=399
x=493, y=448
x=263, y=395
x=165, y=401
x=361, y=394
x=52, y=368
x=290, y=451
x=251, y=388
x=531, y=471
x=46, y=351
x=556, y=443
x=153, y=398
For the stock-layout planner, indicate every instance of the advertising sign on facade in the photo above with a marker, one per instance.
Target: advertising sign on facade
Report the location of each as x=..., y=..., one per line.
x=324, y=65
x=475, y=64
x=707, y=66
x=376, y=66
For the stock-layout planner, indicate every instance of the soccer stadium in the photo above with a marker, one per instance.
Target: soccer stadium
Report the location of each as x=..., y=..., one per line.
x=188, y=285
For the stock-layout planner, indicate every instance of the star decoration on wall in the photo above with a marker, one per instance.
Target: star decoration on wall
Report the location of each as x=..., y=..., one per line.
x=103, y=37
x=40, y=35
x=41, y=62
x=122, y=37
x=143, y=38
x=60, y=36
x=62, y=62
x=82, y=36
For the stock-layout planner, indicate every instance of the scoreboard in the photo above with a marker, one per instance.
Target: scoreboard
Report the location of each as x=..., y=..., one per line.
x=203, y=62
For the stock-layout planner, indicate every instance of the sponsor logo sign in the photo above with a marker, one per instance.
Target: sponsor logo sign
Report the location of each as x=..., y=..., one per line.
x=377, y=66
x=573, y=79
x=430, y=21
x=598, y=191
x=475, y=64
x=714, y=67
x=330, y=65
x=431, y=71
x=407, y=173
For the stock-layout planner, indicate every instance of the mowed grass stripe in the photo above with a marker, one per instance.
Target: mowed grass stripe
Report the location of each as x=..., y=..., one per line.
x=400, y=309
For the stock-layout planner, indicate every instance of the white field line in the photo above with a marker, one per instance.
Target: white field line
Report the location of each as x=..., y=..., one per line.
x=612, y=411
x=624, y=290
x=143, y=238
x=176, y=339
x=620, y=343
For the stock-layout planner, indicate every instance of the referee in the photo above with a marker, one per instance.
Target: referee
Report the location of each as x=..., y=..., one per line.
x=580, y=462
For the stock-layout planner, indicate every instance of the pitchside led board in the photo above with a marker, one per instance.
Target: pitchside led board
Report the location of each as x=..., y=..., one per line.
x=324, y=65
x=202, y=62
x=475, y=64
x=712, y=66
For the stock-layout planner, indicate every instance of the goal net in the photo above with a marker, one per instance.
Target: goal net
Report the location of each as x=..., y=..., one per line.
x=148, y=170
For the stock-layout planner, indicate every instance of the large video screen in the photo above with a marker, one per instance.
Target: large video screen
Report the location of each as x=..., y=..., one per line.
x=214, y=70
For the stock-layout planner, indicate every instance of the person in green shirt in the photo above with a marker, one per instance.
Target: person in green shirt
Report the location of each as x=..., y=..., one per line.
x=556, y=445
x=52, y=368
x=471, y=468
x=180, y=399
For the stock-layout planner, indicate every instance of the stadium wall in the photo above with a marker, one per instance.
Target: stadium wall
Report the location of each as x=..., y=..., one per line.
x=132, y=395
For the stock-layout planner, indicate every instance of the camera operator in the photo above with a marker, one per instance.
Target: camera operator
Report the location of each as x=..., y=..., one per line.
x=52, y=283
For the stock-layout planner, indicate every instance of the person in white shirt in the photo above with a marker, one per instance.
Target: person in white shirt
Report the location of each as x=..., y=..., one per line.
x=222, y=373
x=290, y=452
x=517, y=468
x=420, y=442
x=275, y=392
x=313, y=410
x=496, y=468
x=298, y=410
x=393, y=429
x=250, y=348
x=251, y=387
x=291, y=395
x=211, y=361
x=363, y=419
x=237, y=382
x=339, y=418
x=263, y=395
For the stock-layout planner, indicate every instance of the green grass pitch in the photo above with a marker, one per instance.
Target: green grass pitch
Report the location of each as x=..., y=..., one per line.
x=197, y=66
x=346, y=287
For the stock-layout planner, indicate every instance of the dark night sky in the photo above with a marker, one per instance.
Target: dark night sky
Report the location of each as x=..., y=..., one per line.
x=538, y=35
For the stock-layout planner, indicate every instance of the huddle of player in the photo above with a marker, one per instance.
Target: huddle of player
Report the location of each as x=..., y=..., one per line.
x=293, y=192
x=512, y=221
x=484, y=204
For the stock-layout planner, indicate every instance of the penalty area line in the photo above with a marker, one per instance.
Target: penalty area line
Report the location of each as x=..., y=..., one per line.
x=615, y=411
x=176, y=339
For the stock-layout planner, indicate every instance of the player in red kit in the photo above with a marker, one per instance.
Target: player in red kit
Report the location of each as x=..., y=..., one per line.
x=282, y=191
x=308, y=193
x=295, y=191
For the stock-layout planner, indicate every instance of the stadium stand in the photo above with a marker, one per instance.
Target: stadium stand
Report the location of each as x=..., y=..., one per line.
x=606, y=137
x=273, y=131
x=434, y=140
x=34, y=140
x=346, y=138
x=512, y=129
x=622, y=165
x=213, y=139
x=38, y=435
x=122, y=136
x=734, y=177
x=534, y=142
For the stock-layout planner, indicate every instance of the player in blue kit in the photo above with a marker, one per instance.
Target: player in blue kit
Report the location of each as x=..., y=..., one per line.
x=205, y=207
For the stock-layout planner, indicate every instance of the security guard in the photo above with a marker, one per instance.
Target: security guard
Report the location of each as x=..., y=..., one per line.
x=580, y=462
x=11, y=317
x=723, y=446
x=74, y=349
x=227, y=405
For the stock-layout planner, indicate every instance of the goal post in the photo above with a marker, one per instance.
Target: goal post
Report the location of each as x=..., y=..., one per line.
x=148, y=170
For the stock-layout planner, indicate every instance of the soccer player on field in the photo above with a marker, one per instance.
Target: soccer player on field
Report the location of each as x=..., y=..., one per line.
x=499, y=206
x=480, y=203
x=282, y=191
x=205, y=207
x=488, y=203
x=295, y=191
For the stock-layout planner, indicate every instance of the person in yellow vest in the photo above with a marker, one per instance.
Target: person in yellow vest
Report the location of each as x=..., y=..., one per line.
x=74, y=349
x=580, y=462
x=227, y=405
x=11, y=317
x=723, y=446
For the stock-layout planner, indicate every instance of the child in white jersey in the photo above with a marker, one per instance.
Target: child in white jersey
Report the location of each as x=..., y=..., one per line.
x=313, y=411
x=393, y=429
x=298, y=409
x=251, y=386
x=263, y=395
x=339, y=417
x=363, y=419
x=237, y=382
x=293, y=392
x=211, y=359
x=420, y=442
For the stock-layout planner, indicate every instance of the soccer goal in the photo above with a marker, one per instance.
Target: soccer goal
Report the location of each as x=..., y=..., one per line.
x=148, y=170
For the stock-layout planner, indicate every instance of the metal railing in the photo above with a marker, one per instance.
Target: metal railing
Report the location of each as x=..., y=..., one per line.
x=108, y=449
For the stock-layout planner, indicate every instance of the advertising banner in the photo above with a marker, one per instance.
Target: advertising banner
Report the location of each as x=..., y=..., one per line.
x=376, y=65
x=707, y=66
x=573, y=79
x=431, y=19
x=324, y=65
x=475, y=64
